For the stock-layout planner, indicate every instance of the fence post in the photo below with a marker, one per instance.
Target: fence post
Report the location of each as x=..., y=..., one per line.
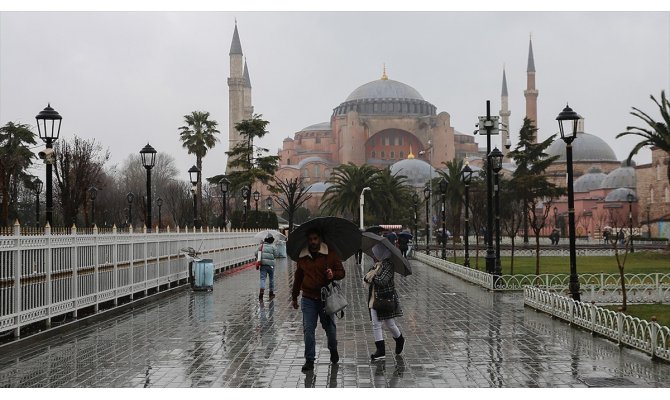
x=115, y=260
x=17, y=279
x=659, y=292
x=654, y=335
x=131, y=262
x=96, y=268
x=47, y=269
x=593, y=317
x=619, y=322
x=74, y=259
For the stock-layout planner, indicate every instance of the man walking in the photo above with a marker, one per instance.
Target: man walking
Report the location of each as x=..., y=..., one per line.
x=317, y=266
x=267, y=265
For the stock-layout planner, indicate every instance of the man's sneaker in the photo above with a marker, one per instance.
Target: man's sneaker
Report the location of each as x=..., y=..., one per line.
x=334, y=357
x=308, y=366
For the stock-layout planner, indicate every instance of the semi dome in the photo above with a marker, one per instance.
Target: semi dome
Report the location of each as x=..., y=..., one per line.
x=322, y=126
x=589, y=181
x=622, y=177
x=384, y=89
x=418, y=172
x=620, y=194
x=586, y=147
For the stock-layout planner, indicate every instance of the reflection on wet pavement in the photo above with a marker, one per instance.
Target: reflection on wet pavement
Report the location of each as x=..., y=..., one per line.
x=458, y=335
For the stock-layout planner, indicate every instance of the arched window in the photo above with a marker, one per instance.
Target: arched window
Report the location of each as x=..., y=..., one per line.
x=393, y=155
x=383, y=155
x=401, y=155
x=305, y=173
x=651, y=195
x=317, y=171
x=373, y=154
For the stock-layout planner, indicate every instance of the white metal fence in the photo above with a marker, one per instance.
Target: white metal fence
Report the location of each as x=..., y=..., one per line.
x=649, y=337
x=44, y=276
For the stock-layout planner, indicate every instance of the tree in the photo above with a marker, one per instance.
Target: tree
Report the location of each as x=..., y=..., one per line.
x=348, y=180
x=390, y=198
x=511, y=214
x=617, y=220
x=291, y=196
x=247, y=169
x=454, y=196
x=198, y=136
x=15, y=158
x=79, y=163
x=657, y=134
x=531, y=183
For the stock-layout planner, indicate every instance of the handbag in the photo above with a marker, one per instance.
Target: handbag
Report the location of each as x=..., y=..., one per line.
x=383, y=303
x=335, y=301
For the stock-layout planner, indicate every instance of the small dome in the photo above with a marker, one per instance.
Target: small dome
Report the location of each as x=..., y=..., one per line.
x=589, y=182
x=384, y=89
x=622, y=177
x=322, y=126
x=585, y=147
x=620, y=194
x=418, y=172
x=288, y=139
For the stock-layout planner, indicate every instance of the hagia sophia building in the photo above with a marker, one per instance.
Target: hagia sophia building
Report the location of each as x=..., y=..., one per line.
x=387, y=123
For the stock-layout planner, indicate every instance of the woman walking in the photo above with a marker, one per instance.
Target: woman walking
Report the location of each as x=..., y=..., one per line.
x=382, y=286
x=267, y=265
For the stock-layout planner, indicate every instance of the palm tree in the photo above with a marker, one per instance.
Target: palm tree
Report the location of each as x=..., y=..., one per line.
x=390, y=198
x=197, y=137
x=15, y=158
x=348, y=180
x=658, y=133
x=454, y=195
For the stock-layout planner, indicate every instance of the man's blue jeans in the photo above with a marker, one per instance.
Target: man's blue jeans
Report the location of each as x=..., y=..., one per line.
x=268, y=270
x=311, y=309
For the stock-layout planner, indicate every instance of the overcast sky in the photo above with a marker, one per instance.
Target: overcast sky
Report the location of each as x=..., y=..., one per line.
x=128, y=78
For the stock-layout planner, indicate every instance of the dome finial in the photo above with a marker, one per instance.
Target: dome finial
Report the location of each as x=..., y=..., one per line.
x=384, y=76
x=410, y=155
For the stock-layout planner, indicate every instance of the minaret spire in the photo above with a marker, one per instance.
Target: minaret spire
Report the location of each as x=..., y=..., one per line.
x=504, y=115
x=531, y=92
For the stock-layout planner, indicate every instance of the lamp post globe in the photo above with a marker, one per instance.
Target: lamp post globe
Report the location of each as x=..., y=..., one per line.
x=568, y=137
x=245, y=195
x=148, y=155
x=48, y=127
x=268, y=203
x=257, y=196
x=426, y=196
x=194, y=177
x=466, y=176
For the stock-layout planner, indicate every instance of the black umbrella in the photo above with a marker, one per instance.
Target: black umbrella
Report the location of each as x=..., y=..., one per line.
x=341, y=235
x=376, y=229
x=407, y=235
x=400, y=263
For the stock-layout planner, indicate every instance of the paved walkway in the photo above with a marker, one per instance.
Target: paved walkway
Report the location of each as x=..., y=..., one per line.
x=458, y=335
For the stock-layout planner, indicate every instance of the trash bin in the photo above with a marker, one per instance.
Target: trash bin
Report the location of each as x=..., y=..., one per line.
x=203, y=274
x=281, y=248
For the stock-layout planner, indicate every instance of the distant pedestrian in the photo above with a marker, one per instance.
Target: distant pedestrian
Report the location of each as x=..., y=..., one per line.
x=317, y=266
x=403, y=244
x=267, y=265
x=380, y=279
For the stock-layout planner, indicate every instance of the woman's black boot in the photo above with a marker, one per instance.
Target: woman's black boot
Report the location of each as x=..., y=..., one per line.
x=381, y=351
x=399, y=344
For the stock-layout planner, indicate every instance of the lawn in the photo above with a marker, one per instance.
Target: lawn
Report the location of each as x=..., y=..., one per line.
x=641, y=262
x=646, y=311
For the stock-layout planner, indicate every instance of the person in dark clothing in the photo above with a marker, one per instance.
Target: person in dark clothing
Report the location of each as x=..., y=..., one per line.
x=317, y=266
x=403, y=244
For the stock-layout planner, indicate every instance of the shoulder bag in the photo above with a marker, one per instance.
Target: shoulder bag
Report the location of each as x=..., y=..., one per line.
x=335, y=301
x=383, y=303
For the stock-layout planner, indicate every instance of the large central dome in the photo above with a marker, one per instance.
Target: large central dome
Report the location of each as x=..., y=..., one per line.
x=385, y=89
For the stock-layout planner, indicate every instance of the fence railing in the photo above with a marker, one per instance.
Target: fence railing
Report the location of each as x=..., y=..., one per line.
x=44, y=276
x=601, y=287
x=649, y=337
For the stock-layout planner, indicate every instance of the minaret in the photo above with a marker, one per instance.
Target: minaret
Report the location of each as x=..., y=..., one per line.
x=248, y=106
x=504, y=115
x=237, y=86
x=531, y=93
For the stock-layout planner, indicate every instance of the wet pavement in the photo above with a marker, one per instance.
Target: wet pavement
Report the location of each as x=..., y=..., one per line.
x=458, y=335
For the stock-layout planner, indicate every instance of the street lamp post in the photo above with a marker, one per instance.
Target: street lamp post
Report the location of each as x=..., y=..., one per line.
x=569, y=115
x=426, y=196
x=194, y=177
x=630, y=198
x=148, y=155
x=443, y=190
x=93, y=193
x=159, y=203
x=257, y=196
x=223, y=185
x=38, y=189
x=466, y=173
x=245, y=193
x=489, y=127
x=48, y=126
x=129, y=197
x=361, y=202
x=495, y=159
x=415, y=200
